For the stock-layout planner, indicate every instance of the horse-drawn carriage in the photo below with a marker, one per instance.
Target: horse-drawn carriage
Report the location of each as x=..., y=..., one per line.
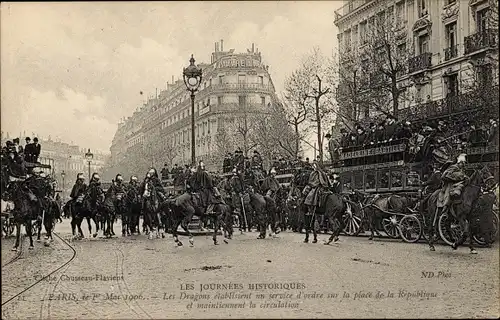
x=385, y=179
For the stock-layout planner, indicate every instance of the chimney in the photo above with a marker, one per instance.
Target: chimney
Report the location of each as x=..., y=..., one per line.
x=253, y=47
x=215, y=44
x=172, y=79
x=216, y=47
x=221, y=45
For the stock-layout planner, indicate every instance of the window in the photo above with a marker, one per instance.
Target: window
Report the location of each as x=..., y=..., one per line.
x=208, y=127
x=221, y=79
x=452, y=85
x=402, y=50
x=208, y=101
x=362, y=32
x=422, y=8
x=241, y=78
x=451, y=34
x=423, y=44
x=347, y=39
x=263, y=101
x=261, y=80
x=242, y=101
x=219, y=100
x=400, y=14
x=482, y=20
x=210, y=82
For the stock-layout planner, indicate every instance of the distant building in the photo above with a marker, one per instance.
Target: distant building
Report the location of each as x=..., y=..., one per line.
x=234, y=85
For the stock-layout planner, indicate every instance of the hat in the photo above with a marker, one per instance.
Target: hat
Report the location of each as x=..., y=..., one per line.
x=35, y=139
x=28, y=139
x=328, y=135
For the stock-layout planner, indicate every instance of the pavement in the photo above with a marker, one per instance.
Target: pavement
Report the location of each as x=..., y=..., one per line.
x=134, y=277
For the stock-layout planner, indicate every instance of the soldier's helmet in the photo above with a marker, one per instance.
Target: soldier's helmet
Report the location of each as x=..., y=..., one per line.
x=234, y=171
x=133, y=178
x=119, y=178
x=462, y=158
x=273, y=171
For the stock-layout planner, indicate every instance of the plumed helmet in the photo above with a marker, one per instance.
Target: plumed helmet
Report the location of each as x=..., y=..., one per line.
x=96, y=176
x=273, y=171
x=151, y=171
x=462, y=158
x=234, y=170
x=133, y=178
x=119, y=177
x=80, y=176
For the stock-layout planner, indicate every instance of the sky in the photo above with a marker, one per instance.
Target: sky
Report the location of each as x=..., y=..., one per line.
x=71, y=71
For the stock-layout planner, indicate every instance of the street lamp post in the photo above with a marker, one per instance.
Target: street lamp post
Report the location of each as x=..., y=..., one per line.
x=89, y=156
x=63, y=174
x=192, y=76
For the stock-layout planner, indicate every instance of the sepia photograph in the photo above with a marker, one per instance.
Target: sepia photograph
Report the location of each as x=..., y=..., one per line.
x=250, y=159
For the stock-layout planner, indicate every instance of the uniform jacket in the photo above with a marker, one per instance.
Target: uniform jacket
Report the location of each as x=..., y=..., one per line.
x=433, y=183
x=390, y=131
x=237, y=184
x=318, y=181
x=454, y=179
x=79, y=188
x=270, y=184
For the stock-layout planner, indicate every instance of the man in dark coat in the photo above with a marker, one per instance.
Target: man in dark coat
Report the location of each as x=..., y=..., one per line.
x=432, y=184
x=344, y=138
x=28, y=150
x=361, y=138
x=256, y=160
x=36, y=149
x=379, y=133
x=239, y=160
x=371, y=139
x=164, y=172
x=152, y=176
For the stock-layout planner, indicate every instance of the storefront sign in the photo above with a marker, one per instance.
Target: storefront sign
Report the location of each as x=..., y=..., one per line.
x=234, y=62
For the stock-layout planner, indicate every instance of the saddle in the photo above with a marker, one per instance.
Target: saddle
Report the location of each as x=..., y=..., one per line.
x=322, y=198
x=196, y=198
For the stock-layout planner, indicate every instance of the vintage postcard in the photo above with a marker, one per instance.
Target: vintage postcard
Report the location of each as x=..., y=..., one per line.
x=250, y=159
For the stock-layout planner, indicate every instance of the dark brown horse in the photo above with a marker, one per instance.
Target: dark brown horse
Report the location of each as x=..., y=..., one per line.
x=25, y=210
x=181, y=209
x=462, y=208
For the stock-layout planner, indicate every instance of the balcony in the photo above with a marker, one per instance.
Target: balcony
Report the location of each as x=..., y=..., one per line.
x=480, y=40
x=349, y=7
x=420, y=62
x=243, y=86
x=451, y=52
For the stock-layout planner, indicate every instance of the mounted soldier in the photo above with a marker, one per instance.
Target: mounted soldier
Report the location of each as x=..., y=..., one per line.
x=454, y=179
x=203, y=185
x=152, y=176
x=317, y=184
x=78, y=192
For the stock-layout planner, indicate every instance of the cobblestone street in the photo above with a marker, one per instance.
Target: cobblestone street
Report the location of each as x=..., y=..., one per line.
x=135, y=277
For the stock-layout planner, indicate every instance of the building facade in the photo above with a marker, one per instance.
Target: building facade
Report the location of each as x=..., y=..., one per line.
x=452, y=45
x=234, y=85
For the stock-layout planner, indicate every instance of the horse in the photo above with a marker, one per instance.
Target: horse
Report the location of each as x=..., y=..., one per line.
x=381, y=209
x=264, y=207
x=50, y=214
x=86, y=206
x=132, y=213
x=462, y=208
x=181, y=210
x=150, y=209
x=25, y=210
x=108, y=209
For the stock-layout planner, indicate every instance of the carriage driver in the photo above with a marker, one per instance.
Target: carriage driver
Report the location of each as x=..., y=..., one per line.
x=454, y=180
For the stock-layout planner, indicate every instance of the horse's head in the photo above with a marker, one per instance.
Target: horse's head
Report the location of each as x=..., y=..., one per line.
x=483, y=178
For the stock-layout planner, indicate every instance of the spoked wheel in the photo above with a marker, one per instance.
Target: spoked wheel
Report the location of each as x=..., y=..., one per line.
x=352, y=222
x=410, y=228
x=391, y=226
x=449, y=229
x=493, y=233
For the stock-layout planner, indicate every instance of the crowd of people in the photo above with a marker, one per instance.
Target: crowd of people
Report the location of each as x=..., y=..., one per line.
x=15, y=156
x=459, y=134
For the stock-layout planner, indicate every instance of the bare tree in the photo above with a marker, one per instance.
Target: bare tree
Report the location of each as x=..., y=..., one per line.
x=387, y=54
x=294, y=110
x=311, y=83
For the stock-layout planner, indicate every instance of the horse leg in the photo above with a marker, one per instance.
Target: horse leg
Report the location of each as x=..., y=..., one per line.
x=432, y=230
x=184, y=224
x=307, y=220
x=112, y=221
x=315, y=232
x=96, y=222
x=175, y=226
x=18, y=236
x=79, y=225
x=39, y=223
x=469, y=233
x=216, y=229
x=29, y=231
x=89, y=224
x=332, y=236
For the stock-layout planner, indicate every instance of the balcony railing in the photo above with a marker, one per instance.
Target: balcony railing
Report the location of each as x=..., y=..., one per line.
x=242, y=86
x=451, y=52
x=420, y=62
x=462, y=102
x=349, y=7
x=480, y=40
